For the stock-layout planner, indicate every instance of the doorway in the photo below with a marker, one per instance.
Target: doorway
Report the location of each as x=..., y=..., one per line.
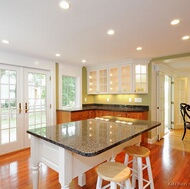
x=164, y=105
x=24, y=105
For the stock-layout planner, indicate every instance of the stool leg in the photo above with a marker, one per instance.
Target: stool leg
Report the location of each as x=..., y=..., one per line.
x=134, y=173
x=140, y=172
x=149, y=173
x=126, y=159
x=113, y=185
x=128, y=184
x=99, y=183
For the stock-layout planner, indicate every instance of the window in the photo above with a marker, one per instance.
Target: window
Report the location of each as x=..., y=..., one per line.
x=68, y=91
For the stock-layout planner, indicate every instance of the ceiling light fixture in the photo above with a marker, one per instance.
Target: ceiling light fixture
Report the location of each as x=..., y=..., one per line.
x=83, y=61
x=110, y=32
x=64, y=5
x=5, y=41
x=139, y=48
x=174, y=22
x=185, y=37
x=58, y=55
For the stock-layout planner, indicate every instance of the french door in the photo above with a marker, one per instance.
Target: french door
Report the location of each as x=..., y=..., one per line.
x=24, y=105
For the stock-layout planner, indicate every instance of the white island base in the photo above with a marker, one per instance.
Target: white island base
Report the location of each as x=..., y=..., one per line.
x=68, y=164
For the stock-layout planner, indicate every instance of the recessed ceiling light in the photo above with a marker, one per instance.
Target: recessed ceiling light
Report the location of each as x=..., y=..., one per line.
x=110, y=32
x=58, y=55
x=139, y=48
x=174, y=22
x=64, y=5
x=83, y=61
x=185, y=37
x=5, y=41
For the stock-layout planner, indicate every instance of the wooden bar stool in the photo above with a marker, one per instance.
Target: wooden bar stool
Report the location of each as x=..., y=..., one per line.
x=138, y=153
x=115, y=173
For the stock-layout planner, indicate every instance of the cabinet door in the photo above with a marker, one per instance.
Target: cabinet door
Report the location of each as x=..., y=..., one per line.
x=114, y=80
x=92, y=82
x=103, y=81
x=126, y=80
x=138, y=115
x=140, y=78
x=99, y=113
x=91, y=114
x=80, y=115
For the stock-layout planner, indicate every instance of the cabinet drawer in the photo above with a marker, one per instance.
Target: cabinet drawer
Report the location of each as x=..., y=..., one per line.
x=119, y=114
x=81, y=115
x=108, y=113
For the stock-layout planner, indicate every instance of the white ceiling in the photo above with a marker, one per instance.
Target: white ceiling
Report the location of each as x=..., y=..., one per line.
x=40, y=28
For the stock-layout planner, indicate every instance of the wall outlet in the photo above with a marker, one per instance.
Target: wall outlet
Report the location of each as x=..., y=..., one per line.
x=85, y=99
x=138, y=100
x=108, y=99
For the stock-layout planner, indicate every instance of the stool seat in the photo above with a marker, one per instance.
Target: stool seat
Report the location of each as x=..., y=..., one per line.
x=137, y=151
x=114, y=172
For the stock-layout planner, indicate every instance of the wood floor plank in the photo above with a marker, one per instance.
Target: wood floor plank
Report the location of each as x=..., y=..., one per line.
x=170, y=159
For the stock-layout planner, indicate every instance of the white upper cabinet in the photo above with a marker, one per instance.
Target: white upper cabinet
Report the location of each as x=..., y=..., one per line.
x=140, y=78
x=127, y=78
x=98, y=81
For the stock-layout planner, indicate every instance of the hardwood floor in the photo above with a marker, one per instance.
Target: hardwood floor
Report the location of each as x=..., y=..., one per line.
x=170, y=159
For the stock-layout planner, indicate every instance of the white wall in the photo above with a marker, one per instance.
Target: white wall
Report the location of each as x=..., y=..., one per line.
x=72, y=71
x=37, y=63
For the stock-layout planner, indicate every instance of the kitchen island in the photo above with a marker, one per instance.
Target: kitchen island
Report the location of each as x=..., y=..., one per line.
x=75, y=147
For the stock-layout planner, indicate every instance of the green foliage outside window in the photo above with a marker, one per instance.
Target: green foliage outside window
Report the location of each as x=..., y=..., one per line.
x=68, y=91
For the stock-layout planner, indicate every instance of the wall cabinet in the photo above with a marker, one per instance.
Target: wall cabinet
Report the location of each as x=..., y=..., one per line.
x=140, y=78
x=127, y=78
x=98, y=81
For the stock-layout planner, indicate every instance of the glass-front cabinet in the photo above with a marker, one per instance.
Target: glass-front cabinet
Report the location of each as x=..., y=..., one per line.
x=122, y=79
x=140, y=78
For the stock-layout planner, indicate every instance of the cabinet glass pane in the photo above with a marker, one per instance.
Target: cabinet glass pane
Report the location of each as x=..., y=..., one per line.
x=103, y=81
x=92, y=82
x=114, y=83
x=126, y=79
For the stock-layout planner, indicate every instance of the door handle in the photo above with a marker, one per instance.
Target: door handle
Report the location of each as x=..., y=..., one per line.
x=19, y=108
x=26, y=107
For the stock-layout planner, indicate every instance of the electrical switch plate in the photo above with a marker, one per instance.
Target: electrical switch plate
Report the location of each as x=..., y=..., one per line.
x=130, y=99
x=138, y=100
x=108, y=99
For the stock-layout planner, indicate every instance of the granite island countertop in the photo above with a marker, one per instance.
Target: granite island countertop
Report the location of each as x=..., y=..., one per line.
x=109, y=107
x=93, y=136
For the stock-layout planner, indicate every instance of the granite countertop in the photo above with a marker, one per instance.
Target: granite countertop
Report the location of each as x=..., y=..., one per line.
x=93, y=136
x=110, y=107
